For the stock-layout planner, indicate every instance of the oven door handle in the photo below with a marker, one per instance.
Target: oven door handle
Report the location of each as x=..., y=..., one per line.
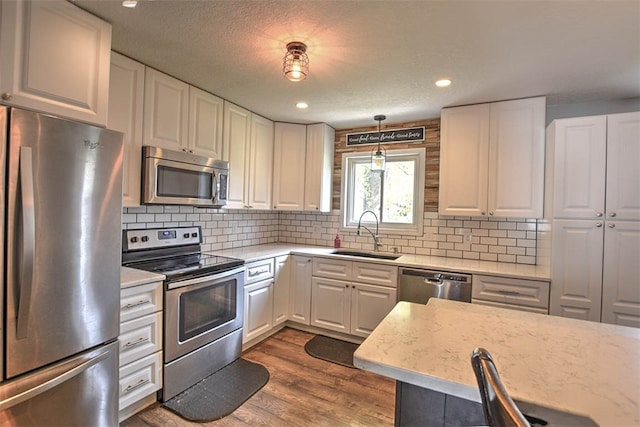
x=205, y=279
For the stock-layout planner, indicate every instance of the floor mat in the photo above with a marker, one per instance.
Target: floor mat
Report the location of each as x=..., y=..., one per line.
x=221, y=393
x=331, y=349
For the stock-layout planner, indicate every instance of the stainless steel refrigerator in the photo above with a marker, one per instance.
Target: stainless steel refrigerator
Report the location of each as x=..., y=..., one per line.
x=62, y=209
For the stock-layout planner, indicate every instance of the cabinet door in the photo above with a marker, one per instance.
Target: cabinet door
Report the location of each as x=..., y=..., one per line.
x=331, y=304
x=516, y=158
x=579, y=167
x=576, y=273
x=260, y=163
x=369, y=305
x=289, y=166
x=319, y=168
x=205, y=123
x=126, y=96
x=281, y=290
x=55, y=59
x=300, y=296
x=235, y=150
x=623, y=166
x=166, y=111
x=258, y=309
x=464, y=151
x=621, y=276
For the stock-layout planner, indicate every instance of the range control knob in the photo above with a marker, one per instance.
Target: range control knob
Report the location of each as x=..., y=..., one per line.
x=134, y=239
x=185, y=235
x=194, y=234
x=145, y=238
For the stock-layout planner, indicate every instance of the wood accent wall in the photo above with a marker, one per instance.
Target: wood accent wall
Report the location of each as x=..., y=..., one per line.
x=432, y=163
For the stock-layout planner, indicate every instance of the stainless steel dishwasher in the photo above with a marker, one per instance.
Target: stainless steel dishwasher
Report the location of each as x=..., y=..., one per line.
x=418, y=285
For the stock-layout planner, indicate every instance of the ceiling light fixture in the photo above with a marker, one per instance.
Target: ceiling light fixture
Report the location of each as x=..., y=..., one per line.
x=130, y=3
x=443, y=82
x=296, y=62
x=378, y=159
x=302, y=105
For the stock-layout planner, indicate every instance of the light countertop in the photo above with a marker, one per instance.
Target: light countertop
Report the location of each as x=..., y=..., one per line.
x=522, y=271
x=569, y=365
x=132, y=277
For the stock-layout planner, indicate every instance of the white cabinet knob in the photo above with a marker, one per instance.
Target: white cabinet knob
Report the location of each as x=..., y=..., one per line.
x=6, y=96
x=599, y=214
x=598, y=224
x=612, y=214
x=611, y=225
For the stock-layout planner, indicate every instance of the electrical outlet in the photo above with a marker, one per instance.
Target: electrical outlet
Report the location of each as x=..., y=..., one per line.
x=466, y=236
x=317, y=229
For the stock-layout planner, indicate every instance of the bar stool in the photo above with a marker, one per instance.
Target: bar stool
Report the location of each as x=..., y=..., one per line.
x=499, y=409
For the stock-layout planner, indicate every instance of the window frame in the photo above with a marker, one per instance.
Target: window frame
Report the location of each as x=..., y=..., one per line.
x=418, y=155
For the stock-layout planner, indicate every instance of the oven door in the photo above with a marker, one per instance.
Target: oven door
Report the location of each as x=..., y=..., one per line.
x=170, y=182
x=199, y=311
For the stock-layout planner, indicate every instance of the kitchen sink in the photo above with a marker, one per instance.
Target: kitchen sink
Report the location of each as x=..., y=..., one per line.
x=365, y=254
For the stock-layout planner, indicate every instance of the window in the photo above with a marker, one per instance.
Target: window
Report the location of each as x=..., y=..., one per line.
x=396, y=195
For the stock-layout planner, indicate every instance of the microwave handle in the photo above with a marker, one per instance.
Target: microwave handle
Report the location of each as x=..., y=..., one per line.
x=216, y=185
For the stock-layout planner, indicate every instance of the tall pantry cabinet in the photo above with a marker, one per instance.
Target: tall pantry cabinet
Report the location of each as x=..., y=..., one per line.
x=593, y=207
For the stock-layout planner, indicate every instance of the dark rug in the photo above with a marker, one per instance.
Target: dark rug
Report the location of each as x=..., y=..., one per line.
x=221, y=393
x=331, y=349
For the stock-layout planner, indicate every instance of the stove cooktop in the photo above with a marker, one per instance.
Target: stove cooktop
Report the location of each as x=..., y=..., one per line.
x=193, y=264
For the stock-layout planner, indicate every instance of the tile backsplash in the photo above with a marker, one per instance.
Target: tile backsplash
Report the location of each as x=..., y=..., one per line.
x=502, y=240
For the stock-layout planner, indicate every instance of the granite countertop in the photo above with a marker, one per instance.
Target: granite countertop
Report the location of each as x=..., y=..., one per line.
x=575, y=366
x=132, y=277
x=521, y=271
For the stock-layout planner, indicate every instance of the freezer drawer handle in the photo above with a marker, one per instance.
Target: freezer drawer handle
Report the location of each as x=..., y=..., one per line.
x=29, y=242
x=52, y=383
x=140, y=383
x=136, y=342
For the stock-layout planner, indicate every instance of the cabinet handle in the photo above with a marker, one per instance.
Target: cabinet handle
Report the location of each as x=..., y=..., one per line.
x=7, y=96
x=136, y=342
x=130, y=388
x=482, y=213
x=611, y=225
x=599, y=214
x=491, y=213
x=135, y=304
x=612, y=214
x=258, y=272
x=500, y=291
x=191, y=151
x=598, y=224
x=184, y=150
x=346, y=286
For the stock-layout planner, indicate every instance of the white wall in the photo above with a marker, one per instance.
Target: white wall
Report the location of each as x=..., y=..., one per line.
x=562, y=111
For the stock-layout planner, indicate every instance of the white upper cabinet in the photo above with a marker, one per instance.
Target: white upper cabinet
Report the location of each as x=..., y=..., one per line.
x=593, y=165
x=492, y=159
x=126, y=97
x=205, y=123
x=54, y=58
x=623, y=166
x=289, y=166
x=166, y=111
x=248, y=147
x=319, y=167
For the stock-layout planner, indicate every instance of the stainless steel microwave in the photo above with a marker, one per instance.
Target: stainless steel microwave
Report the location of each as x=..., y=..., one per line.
x=177, y=178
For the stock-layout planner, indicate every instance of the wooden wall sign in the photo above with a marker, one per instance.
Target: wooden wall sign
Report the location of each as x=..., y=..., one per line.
x=386, y=136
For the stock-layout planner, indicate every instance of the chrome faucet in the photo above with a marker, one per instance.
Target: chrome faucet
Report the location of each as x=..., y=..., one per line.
x=376, y=237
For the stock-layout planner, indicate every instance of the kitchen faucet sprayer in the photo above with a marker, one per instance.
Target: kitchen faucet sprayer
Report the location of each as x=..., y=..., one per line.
x=376, y=237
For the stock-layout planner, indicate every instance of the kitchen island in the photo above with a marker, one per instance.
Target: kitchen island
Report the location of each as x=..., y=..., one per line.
x=549, y=365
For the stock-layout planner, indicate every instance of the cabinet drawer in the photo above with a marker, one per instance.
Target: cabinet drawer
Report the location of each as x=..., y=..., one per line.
x=141, y=300
x=529, y=293
x=140, y=379
x=140, y=337
x=375, y=274
x=258, y=270
x=510, y=306
x=332, y=268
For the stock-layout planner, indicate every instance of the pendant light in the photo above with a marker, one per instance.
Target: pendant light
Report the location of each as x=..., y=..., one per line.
x=296, y=62
x=378, y=159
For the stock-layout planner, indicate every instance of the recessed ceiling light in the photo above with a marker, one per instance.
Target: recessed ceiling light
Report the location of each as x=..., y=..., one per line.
x=302, y=105
x=443, y=82
x=130, y=3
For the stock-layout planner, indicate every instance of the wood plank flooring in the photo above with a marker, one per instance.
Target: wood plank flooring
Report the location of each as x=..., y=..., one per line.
x=302, y=391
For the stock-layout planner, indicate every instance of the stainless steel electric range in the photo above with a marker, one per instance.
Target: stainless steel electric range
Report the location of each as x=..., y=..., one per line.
x=203, y=302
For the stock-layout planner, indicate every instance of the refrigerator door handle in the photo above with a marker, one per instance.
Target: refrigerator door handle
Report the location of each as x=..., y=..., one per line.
x=47, y=383
x=28, y=241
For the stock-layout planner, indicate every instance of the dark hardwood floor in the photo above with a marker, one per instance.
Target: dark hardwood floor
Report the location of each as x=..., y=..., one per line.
x=302, y=391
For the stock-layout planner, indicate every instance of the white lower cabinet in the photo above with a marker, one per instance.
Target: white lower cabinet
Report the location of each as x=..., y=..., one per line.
x=140, y=340
x=258, y=308
x=281, y=289
x=505, y=292
x=300, y=290
x=347, y=305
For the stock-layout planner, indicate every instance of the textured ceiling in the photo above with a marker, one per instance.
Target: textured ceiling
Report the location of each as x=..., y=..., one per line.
x=372, y=57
